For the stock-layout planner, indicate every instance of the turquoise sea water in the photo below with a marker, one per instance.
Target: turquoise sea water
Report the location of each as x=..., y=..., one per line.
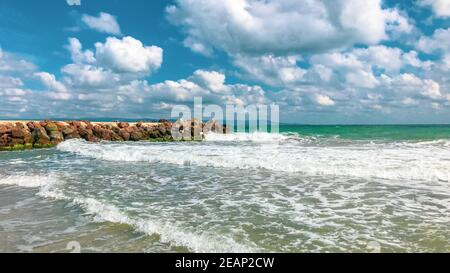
x=373, y=132
x=308, y=188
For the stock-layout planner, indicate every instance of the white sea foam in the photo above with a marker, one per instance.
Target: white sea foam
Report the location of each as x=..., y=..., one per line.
x=50, y=186
x=169, y=232
x=28, y=181
x=386, y=161
x=261, y=137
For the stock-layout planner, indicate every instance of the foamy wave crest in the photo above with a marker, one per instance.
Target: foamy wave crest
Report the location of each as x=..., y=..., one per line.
x=254, y=137
x=28, y=181
x=169, y=232
x=385, y=161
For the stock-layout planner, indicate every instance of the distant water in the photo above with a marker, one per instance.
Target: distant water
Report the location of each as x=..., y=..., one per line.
x=308, y=188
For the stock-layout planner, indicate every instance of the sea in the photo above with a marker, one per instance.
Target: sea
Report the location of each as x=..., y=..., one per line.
x=305, y=189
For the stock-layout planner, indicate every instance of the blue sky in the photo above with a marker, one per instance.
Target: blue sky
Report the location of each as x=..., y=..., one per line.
x=346, y=61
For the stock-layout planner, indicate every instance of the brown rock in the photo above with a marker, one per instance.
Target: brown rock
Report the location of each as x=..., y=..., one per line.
x=123, y=125
x=213, y=126
x=56, y=137
x=75, y=124
x=5, y=140
x=61, y=125
x=40, y=136
x=101, y=133
x=51, y=127
x=17, y=133
x=87, y=134
x=5, y=129
x=16, y=141
x=137, y=135
x=124, y=134
x=32, y=125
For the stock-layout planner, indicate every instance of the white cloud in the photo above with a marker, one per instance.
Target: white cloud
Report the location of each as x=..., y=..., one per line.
x=73, y=2
x=208, y=84
x=105, y=22
x=411, y=58
x=81, y=75
x=283, y=26
x=10, y=63
x=56, y=89
x=409, y=101
x=212, y=80
x=431, y=89
x=271, y=70
x=49, y=80
x=384, y=57
x=77, y=54
x=128, y=55
x=10, y=82
x=410, y=84
x=441, y=8
x=361, y=78
x=397, y=22
x=323, y=100
x=115, y=62
x=439, y=41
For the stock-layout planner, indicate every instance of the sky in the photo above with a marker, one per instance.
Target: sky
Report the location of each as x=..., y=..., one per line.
x=321, y=62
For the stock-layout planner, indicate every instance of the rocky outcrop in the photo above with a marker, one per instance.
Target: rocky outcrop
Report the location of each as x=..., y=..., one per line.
x=195, y=129
x=45, y=134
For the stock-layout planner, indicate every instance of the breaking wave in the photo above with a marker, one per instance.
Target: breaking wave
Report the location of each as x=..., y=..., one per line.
x=50, y=186
x=399, y=161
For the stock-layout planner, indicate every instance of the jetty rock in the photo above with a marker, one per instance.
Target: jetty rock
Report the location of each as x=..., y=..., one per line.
x=20, y=135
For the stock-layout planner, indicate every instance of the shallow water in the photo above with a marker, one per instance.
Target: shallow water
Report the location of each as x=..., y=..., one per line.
x=289, y=192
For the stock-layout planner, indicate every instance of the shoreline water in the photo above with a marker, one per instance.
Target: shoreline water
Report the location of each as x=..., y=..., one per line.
x=303, y=190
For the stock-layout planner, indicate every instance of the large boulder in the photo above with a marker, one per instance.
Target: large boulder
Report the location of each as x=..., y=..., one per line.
x=32, y=125
x=51, y=127
x=5, y=140
x=182, y=130
x=87, y=134
x=123, y=125
x=136, y=134
x=70, y=132
x=40, y=137
x=56, y=137
x=17, y=141
x=5, y=129
x=102, y=133
x=213, y=126
x=124, y=134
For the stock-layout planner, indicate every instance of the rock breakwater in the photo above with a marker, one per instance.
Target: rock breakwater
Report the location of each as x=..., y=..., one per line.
x=22, y=135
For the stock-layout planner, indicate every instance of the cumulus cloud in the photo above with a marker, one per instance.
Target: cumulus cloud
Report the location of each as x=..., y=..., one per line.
x=10, y=63
x=212, y=80
x=104, y=22
x=270, y=69
x=441, y=8
x=77, y=54
x=408, y=84
x=128, y=55
x=323, y=100
x=82, y=75
x=282, y=27
x=73, y=2
x=438, y=41
x=211, y=86
x=49, y=80
x=113, y=62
